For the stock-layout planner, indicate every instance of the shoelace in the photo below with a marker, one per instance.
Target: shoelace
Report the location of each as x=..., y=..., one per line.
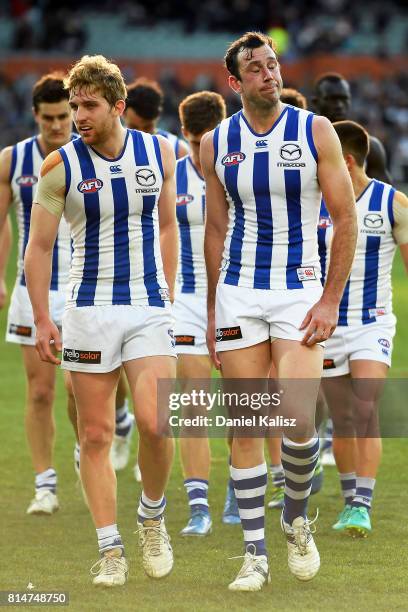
x=250, y=562
x=108, y=565
x=302, y=533
x=153, y=538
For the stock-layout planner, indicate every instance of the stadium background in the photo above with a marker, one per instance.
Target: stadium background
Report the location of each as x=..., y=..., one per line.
x=182, y=44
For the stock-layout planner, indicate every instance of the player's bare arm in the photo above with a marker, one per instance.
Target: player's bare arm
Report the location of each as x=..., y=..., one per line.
x=6, y=238
x=167, y=215
x=215, y=231
x=376, y=164
x=38, y=258
x=337, y=190
x=5, y=227
x=400, y=230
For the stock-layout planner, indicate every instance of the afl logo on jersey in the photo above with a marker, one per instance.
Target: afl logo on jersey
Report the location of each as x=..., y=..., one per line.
x=290, y=152
x=183, y=199
x=233, y=159
x=26, y=180
x=90, y=185
x=324, y=222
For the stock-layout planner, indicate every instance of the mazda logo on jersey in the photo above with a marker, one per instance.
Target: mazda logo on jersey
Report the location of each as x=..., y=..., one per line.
x=373, y=220
x=290, y=152
x=145, y=177
x=90, y=185
x=232, y=159
x=183, y=199
x=26, y=180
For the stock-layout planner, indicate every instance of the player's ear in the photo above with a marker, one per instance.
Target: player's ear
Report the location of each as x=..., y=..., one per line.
x=235, y=84
x=120, y=106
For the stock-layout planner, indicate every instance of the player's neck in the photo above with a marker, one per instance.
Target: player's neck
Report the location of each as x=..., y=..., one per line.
x=196, y=163
x=260, y=119
x=360, y=180
x=45, y=147
x=112, y=147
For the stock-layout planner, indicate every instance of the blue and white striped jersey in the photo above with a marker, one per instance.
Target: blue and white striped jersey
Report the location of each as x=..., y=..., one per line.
x=368, y=293
x=273, y=194
x=324, y=223
x=26, y=162
x=190, y=211
x=111, y=206
x=172, y=138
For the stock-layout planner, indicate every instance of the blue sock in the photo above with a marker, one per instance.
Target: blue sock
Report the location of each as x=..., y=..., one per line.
x=277, y=474
x=364, y=492
x=46, y=480
x=197, y=491
x=348, y=486
x=327, y=441
x=250, y=487
x=123, y=420
x=149, y=509
x=299, y=462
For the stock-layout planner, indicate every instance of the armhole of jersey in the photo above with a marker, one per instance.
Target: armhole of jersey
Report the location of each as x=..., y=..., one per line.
x=390, y=206
x=13, y=163
x=176, y=148
x=158, y=154
x=309, y=136
x=67, y=170
x=215, y=143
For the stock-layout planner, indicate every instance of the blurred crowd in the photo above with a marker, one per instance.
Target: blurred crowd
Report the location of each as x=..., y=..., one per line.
x=381, y=106
x=301, y=28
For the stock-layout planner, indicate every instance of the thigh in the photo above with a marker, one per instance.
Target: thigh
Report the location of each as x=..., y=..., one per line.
x=339, y=397
x=193, y=366
x=38, y=372
x=95, y=397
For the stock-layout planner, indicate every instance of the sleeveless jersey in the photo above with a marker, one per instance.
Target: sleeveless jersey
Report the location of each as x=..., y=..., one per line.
x=190, y=211
x=26, y=162
x=111, y=206
x=172, y=138
x=271, y=186
x=368, y=294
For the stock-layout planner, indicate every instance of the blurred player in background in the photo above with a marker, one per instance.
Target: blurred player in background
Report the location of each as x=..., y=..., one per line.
x=6, y=238
x=19, y=172
x=269, y=288
x=199, y=113
x=116, y=189
x=144, y=106
x=361, y=346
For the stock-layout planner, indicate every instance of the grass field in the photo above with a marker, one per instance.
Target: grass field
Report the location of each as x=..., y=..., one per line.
x=55, y=553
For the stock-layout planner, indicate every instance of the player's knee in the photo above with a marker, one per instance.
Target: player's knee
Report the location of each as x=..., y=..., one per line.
x=41, y=397
x=96, y=435
x=151, y=429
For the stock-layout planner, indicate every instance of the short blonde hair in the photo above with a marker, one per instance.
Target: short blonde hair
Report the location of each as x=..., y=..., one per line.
x=97, y=73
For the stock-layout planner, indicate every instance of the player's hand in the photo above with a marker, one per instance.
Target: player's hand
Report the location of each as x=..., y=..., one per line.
x=320, y=322
x=48, y=341
x=3, y=293
x=211, y=342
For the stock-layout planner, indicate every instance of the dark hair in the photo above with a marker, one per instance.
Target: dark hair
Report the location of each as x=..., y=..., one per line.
x=330, y=77
x=250, y=40
x=49, y=89
x=354, y=140
x=202, y=111
x=145, y=97
x=293, y=97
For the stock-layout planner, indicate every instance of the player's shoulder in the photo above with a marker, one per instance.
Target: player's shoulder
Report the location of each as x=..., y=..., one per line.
x=401, y=199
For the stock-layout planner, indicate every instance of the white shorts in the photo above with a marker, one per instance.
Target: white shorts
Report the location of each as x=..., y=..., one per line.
x=101, y=338
x=372, y=342
x=20, y=318
x=244, y=317
x=190, y=326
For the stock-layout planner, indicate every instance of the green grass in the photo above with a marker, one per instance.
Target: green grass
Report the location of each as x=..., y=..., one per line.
x=55, y=553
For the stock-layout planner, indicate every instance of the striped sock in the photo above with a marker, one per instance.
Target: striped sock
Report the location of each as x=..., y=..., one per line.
x=77, y=454
x=299, y=462
x=277, y=475
x=327, y=435
x=250, y=487
x=123, y=419
x=46, y=480
x=150, y=510
x=108, y=538
x=197, y=491
x=364, y=492
x=348, y=486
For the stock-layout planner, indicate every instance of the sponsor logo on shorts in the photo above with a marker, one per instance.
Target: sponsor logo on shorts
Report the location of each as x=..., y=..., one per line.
x=233, y=159
x=26, y=180
x=385, y=351
x=290, y=152
x=172, y=339
x=305, y=274
x=185, y=340
x=328, y=364
x=228, y=333
x=90, y=185
x=376, y=312
x=183, y=199
x=78, y=356
x=384, y=342
x=164, y=293
x=20, y=330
